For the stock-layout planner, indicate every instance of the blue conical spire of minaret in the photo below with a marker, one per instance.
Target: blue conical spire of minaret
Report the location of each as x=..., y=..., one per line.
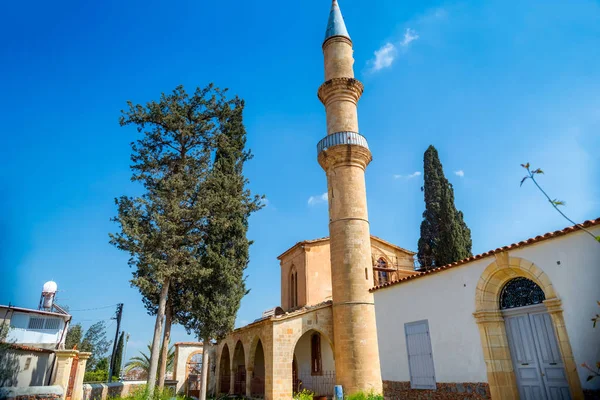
x=336, y=25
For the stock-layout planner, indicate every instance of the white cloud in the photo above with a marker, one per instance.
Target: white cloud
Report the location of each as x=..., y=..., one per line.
x=410, y=176
x=460, y=173
x=384, y=57
x=409, y=36
x=313, y=200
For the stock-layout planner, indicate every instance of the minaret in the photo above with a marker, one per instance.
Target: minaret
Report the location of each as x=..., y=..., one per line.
x=344, y=155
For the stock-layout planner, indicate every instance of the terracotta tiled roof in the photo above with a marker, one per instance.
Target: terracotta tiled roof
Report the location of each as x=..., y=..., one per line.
x=17, y=346
x=530, y=241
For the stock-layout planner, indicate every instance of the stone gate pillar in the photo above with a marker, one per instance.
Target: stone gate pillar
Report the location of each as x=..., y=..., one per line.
x=62, y=371
x=78, y=386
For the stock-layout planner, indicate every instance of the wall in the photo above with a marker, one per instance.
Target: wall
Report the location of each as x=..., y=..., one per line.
x=447, y=300
x=297, y=259
x=183, y=352
x=103, y=391
x=32, y=393
x=318, y=273
x=35, y=367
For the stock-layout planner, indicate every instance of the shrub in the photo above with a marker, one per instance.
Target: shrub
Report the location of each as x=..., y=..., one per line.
x=141, y=393
x=305, y=394
x=364, y=396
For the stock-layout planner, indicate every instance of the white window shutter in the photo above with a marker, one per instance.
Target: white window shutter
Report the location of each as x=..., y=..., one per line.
x=420, y=356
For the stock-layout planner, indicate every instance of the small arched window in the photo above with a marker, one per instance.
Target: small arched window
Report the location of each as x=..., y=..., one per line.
x=520, y=292
x=382, y=275
x=316, y=365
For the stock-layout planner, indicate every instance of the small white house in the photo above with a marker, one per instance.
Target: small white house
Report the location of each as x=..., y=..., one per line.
x=511, y=323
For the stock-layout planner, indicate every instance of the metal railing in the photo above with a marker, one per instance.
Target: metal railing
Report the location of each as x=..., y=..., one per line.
x=385, y=275
x=340, y=138
x=320, y=385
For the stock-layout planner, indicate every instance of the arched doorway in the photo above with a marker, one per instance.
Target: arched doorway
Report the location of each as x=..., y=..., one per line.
x=313, y=365
x=520, y=321
x=537, y=362
x=225, y=371
x=258, y=374
x=194, y=375
x=239, y=370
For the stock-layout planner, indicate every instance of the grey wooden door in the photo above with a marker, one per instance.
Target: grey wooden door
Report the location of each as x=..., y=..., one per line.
x=536, y=357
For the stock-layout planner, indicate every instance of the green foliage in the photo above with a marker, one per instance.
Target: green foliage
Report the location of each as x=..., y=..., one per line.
x=74, y=335
x=225, y=249
x=119, y=355
x=445, y=237
x=9, y=361
x=305, y=394
x=364, y=396
x=186, y=234
x=141, y=393
x=95, y=341
x=100, y=375
x=142, y=361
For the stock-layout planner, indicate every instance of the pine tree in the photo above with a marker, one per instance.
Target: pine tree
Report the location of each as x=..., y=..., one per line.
x=445, y=237
x=166, y=228
x=73, y=338
x=95, y=342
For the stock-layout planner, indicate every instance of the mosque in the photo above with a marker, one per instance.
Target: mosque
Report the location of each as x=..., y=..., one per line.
x=510, y=323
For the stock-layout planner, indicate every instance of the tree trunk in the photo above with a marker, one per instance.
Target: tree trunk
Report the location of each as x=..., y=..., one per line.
x=162, y=370
x=156, y=339
x=204, y=381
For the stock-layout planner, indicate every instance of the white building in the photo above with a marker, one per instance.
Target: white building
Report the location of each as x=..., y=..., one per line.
x=34, y=337
x=511, y=323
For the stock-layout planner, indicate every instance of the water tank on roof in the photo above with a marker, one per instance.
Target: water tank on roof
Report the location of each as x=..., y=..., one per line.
x=48, y=292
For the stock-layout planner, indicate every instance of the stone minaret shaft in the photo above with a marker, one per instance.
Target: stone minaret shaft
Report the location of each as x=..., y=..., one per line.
x=344, y=155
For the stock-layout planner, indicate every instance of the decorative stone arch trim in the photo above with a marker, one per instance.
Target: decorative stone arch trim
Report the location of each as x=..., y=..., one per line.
x=494, y=339
x=189, y=358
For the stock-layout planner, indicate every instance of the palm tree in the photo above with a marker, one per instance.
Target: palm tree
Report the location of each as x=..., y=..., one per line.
x=142, y=361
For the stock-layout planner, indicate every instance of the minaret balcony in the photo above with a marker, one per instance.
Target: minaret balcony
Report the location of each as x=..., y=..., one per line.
x=336, y=89
x=341, y=138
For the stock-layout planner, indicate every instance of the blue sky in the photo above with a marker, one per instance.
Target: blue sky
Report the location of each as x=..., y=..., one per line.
x=491, y=84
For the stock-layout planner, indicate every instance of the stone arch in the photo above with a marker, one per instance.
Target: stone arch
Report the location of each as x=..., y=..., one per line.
x=256, y=368
x=192, y=386
x=498, y=273
x=224, y=369
x=490, y=321
x=238, y=368
x=303, y=356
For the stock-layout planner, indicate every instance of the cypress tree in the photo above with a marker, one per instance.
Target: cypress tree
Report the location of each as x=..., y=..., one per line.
x=225, y=251
x=119, y=356
x=445, y=237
